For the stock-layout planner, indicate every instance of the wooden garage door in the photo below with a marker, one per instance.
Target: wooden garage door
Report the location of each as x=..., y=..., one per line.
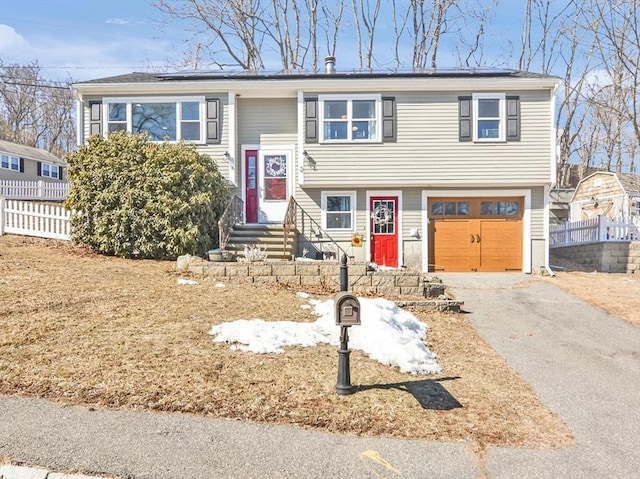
x=475, y=234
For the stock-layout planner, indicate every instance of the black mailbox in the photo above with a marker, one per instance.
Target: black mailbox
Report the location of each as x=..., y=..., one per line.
x=347, y=309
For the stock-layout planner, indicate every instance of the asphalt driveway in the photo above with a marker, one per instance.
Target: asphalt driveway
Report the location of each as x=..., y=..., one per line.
x=583, y=363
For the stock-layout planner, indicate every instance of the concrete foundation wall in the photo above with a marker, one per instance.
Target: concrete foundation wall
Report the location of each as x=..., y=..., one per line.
x=610, y=256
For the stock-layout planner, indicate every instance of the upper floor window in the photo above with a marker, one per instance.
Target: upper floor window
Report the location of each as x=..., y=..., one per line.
x=50, y=171
x=162, y=119
x=489, y=112
x=353, y=118
x=489, y=117
x=10, y=162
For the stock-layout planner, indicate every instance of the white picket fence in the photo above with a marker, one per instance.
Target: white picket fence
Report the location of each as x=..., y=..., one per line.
x=34, y=190
x=596, y=229
x=34, y=219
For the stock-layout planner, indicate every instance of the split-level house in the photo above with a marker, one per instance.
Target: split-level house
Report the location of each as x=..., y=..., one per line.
x=437, y=171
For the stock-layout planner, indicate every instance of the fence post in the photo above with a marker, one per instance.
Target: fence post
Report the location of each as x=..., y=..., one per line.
x=1, y=216
x=566, y=232
x=602, y=228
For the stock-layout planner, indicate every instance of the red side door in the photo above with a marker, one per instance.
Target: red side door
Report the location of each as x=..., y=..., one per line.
x=251, y=185
x=384, y=230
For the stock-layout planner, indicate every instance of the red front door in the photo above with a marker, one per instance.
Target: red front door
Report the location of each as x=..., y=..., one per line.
x=251, y=185
x=384, y=230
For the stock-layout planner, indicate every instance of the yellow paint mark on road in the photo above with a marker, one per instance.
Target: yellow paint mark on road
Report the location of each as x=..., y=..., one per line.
x=378, y=465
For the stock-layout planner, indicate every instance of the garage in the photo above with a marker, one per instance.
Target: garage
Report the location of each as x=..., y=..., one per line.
x=475, y=234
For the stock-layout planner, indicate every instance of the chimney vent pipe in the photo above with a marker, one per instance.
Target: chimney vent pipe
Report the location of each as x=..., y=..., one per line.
x=330, y=65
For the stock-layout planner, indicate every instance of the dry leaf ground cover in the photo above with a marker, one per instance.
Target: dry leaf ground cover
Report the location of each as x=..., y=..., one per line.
x=80, y=328
x=616, y=293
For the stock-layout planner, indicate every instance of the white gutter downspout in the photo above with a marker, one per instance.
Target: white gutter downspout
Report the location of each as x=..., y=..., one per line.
x=301, y=128
x=79, y=120
x=233, y=141
x=554, y=175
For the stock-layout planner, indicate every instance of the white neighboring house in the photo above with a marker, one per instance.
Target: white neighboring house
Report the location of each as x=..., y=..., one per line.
x=31, y=173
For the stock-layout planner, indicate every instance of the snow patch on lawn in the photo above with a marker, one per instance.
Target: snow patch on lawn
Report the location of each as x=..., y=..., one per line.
x=387, y=334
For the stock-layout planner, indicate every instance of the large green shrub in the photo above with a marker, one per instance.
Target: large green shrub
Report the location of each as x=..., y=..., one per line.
x=136, y=198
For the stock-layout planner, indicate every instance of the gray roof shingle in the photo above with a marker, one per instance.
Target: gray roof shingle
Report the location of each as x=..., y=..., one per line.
x=29, y=152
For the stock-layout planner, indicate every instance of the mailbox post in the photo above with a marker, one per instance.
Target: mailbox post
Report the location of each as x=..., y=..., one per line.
x=347, y=313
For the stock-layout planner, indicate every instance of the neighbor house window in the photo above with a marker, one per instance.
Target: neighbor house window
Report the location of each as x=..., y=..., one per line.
x=10, y=162
x=489, y=116
x=50, y=171
x=161, y=118
x=338, y=210
x=355, y=118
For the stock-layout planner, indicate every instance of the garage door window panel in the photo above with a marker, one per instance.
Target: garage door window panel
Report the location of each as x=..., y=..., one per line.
x=450, y=208
x=499, y=208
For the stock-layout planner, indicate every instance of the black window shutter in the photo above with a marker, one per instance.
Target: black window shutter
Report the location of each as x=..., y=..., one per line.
x=311, y=120
x=95, y=118
x=21, y=165
x=60, y=172
x=465, y=118
x=39, y=169
x=513, y=118
x=213, y=120
x=389, y=123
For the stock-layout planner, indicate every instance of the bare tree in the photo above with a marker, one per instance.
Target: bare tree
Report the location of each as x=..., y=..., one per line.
x=618, y=41
x=35, y=112
x=430, y=23
x=399, y=20
x=312, y=12
x=475, y=17
x=550, y=19
x=230, y=29
x=366, y=12
x=332, y=19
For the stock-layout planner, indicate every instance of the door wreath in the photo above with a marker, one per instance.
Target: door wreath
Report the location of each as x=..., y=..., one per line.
x=276, y=166
x=382, y=215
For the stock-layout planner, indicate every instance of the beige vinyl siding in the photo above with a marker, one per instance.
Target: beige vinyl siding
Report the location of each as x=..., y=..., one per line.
x=267, y=121
x=537, y=213
x=428, y=153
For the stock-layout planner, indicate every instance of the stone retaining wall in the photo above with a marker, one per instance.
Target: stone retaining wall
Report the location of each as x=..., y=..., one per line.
x=609, y=256
x=321, y=274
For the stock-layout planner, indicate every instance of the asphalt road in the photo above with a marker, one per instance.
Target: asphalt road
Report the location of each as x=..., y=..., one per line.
x=583, y=364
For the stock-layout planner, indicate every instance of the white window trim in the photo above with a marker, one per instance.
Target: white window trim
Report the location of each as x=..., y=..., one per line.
x=51, y=166
x=349, y=99
x=502, y=118
x=11, y=160
x=178, y=100
x=354, y=198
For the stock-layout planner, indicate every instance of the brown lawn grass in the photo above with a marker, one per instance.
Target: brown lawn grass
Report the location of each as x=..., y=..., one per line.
x=616, y=293
x=79, y=328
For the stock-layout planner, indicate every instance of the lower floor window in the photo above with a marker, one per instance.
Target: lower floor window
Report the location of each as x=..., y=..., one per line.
x=338, y=211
